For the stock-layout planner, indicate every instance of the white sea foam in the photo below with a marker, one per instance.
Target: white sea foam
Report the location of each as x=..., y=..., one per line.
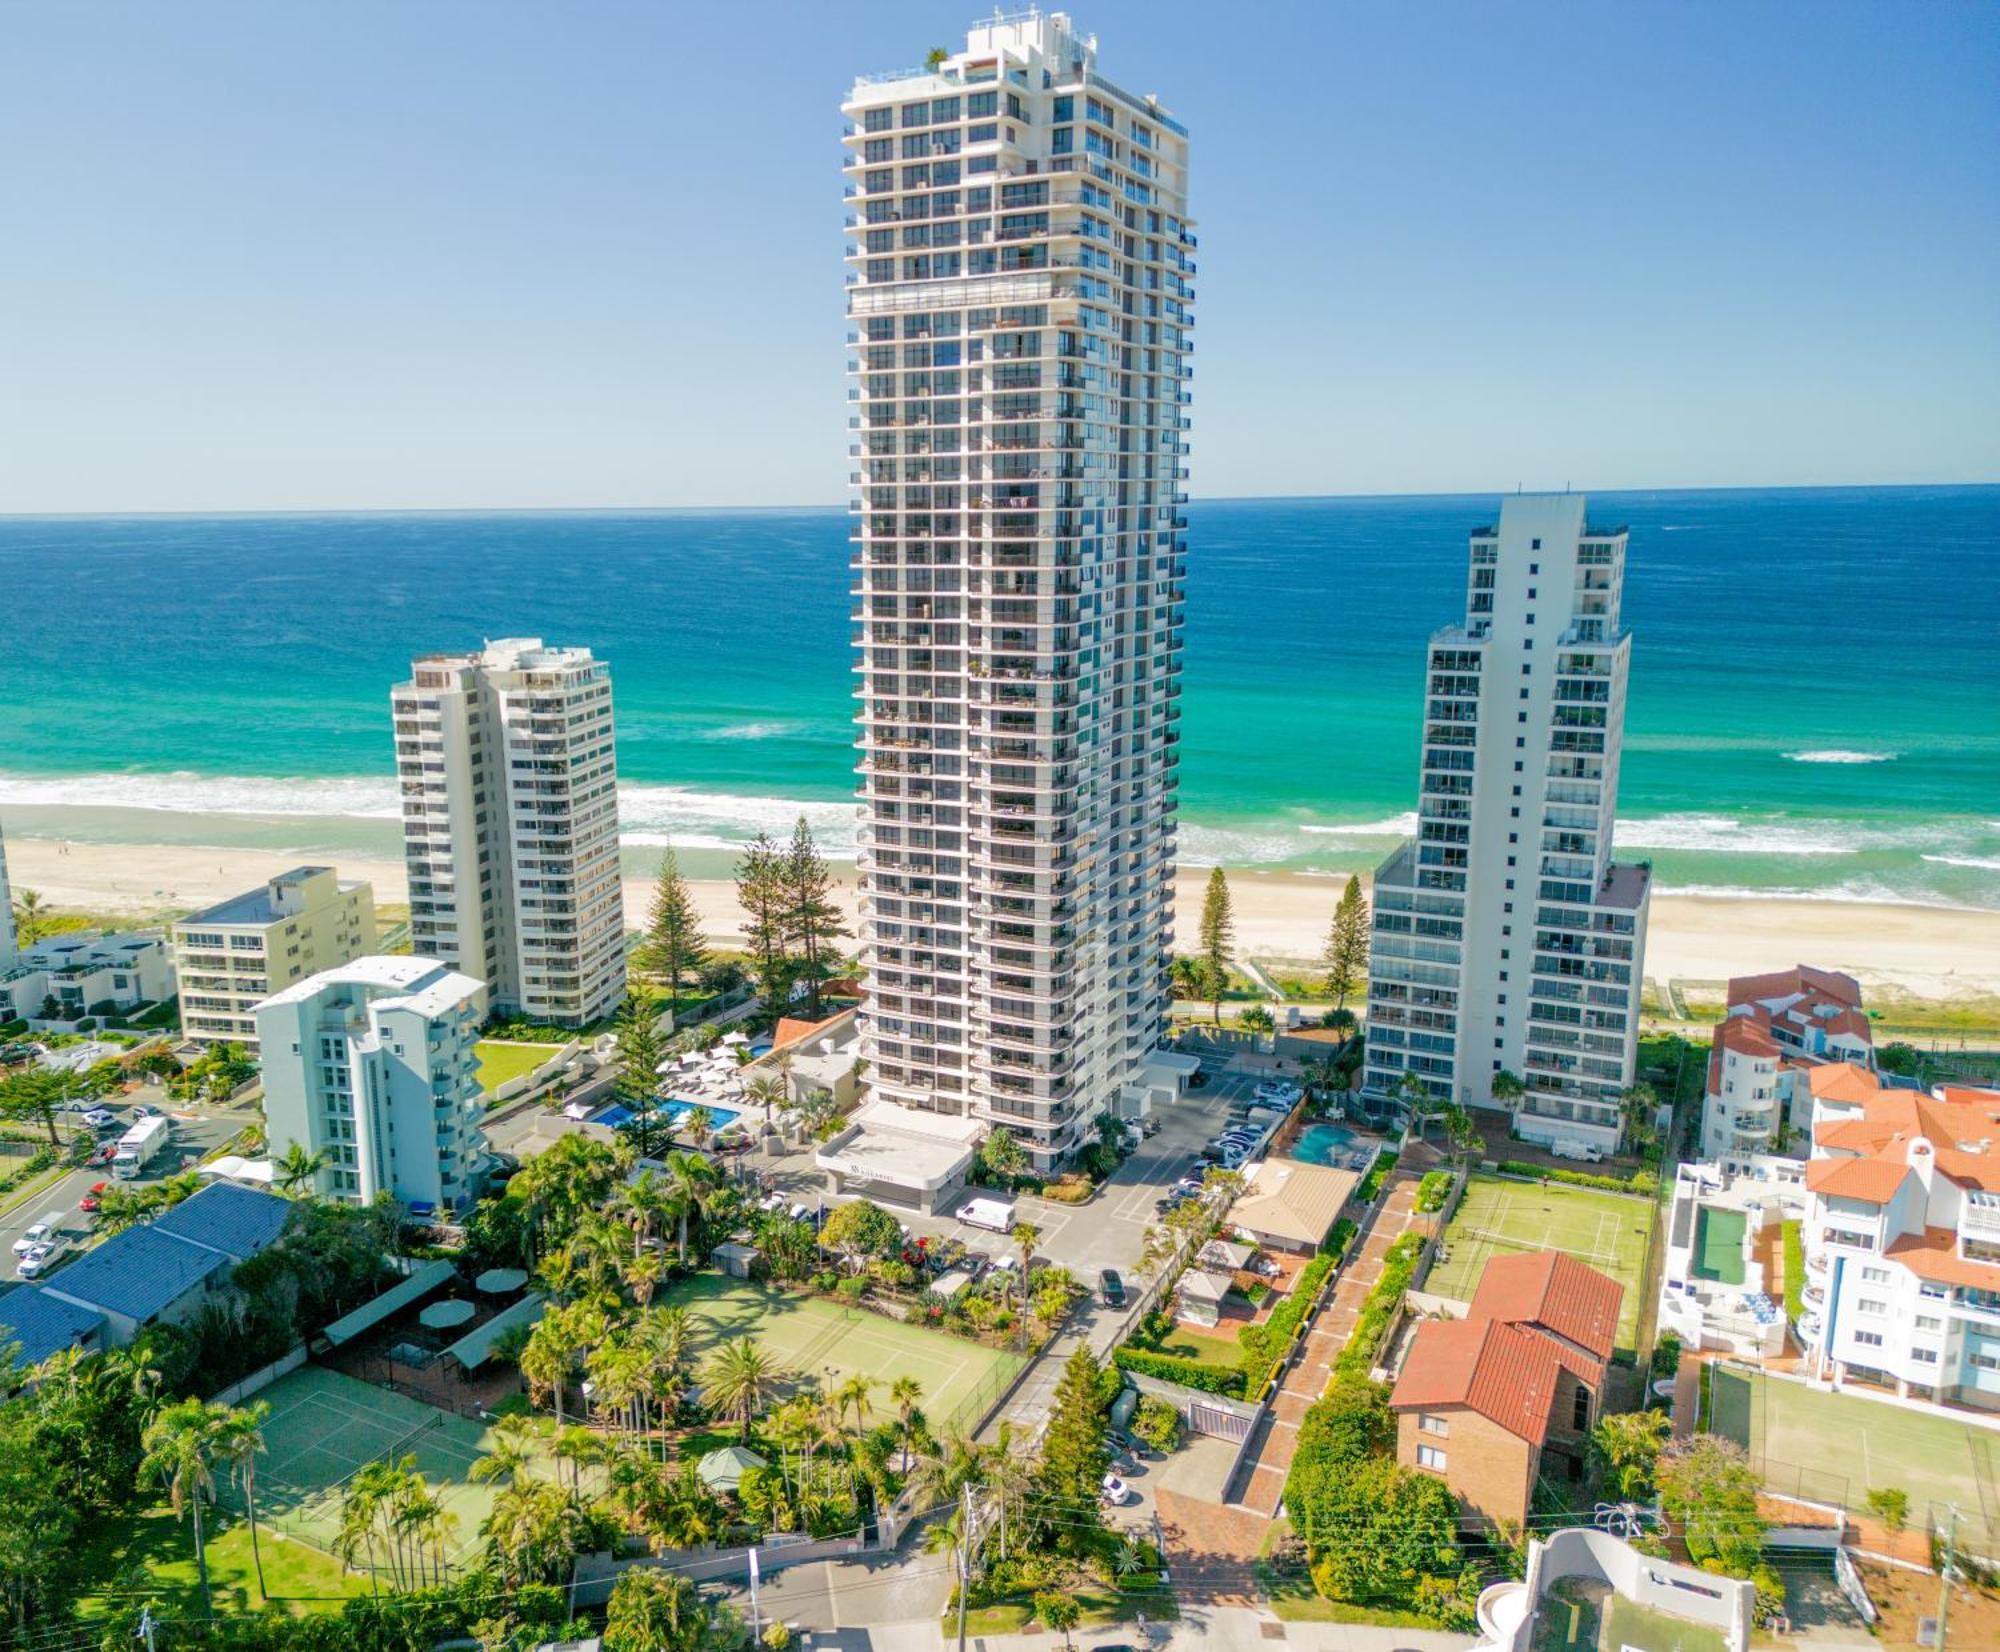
x=1727, y=835
x=753, y=731
x=1981, y=863
x=185, y=792
x=1859, y=892
x=1403, y=825
x=1838, y=755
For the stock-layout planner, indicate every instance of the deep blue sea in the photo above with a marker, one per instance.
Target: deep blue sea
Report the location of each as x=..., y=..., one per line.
x=1815, y=696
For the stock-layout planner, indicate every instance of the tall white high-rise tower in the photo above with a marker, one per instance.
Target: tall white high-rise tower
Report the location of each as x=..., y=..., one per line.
x=510, y=825
x=7, y=942
x=1020, y=270
x=1505, y=939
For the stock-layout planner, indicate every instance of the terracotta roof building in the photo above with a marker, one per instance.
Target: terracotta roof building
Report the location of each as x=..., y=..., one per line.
x=1902, y=1238
x=1780, y=1029
x=1483, y=1401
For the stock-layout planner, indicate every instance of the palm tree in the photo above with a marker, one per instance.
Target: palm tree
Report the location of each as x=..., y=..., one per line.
x=510, y=1452
x=30, y=916
x=643, y=1275
x=240, y=1444
x=1507, y=1088
x=1026, y=1236
x=770, y=1092
x=643, y=1204
x=300, y=1168
x=740, y=1380
x=904, y=1393
x=181, y=1446
x=853, y=1395
x=693, y=1181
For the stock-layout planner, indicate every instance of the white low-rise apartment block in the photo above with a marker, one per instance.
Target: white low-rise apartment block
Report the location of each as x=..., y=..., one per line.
x=372, y=1063
x=243, y=950
x=1902, y=1237
x=1505, y=939
x=510, y=825
x=6, y=909
x=86, y=973
x=1020, y=264
x=1779, y=1027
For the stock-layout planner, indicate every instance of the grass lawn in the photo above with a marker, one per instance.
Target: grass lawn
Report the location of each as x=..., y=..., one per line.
x=499, y=1062
x=1627, y=1623
x=1837, y=1448
x=151, y=1556
x=810, y=1337
x=1294, y=1600
x=1223, y=1352
x=1099, y=1609
x=1497, y=1217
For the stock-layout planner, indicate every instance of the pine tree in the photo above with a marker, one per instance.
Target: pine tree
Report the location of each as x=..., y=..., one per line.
x=760, y=890
x=639, y=1056
x=1218, y=934
x=811, y=920
x=1347, y=944
x=1074, y=1462
x=673, y=929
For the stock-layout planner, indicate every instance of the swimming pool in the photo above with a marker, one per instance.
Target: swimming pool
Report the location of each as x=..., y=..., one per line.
x=1321, y=1143
x=676, y=1111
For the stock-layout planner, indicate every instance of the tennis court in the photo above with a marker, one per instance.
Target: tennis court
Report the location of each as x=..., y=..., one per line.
x=1499, y=1217
x=1836, y=1448
x=810, y=1338
x=324, y=1428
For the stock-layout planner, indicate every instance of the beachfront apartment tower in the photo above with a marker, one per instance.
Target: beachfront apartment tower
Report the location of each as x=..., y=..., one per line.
x=372, y=1064
x=1020, y=264
x=510, y=825
x=239, y=952
x=7, y=941
x=1505, y=939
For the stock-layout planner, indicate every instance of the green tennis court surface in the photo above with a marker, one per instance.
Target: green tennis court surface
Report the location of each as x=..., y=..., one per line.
x=810, y=1338
x=1719, y=1255
x=324, y=1428
x=1497, y=1218
x=1836, y=1448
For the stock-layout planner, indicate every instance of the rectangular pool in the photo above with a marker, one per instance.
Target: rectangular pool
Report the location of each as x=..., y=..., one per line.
x=675, y=1111
x=1718, y=1244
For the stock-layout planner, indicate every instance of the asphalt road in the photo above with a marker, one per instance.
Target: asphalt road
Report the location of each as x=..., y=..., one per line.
x=196, y=1130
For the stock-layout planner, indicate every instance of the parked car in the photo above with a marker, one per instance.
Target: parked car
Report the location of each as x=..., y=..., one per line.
x=94, y=1199
x=105, y=1153
x=99, y=1118
x=1278, y=1089
x=37, y=1261
x=1116, y=1491
x=40, y=1234
x=1113, y=1288
x=146, y=1110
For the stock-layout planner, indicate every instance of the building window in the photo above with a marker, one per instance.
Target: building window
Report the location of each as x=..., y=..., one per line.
x=1868, y=1339
x=1924, y=1356
x=1430, y=1457
x=1580, y=1411
x=1871, y=1305
x=1875, y=1276
x=1433, y=1424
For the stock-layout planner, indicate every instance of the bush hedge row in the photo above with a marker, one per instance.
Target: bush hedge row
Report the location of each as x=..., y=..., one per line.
x=1189, y=1373
x=1398, y=1266
x=1640, y=1181
x=1264, y=1345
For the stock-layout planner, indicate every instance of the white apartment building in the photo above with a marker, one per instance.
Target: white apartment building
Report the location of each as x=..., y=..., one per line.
x=7, y=941
x=510, y=825
x=1020, y=266
x=372, y=1062
x=240, y=951
x=85, y=973
x=1778, y=1028
x=1504, y=936
x=1902, y=1238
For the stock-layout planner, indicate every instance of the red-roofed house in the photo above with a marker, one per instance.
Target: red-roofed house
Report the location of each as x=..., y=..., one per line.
x=1482, y=1401
x=1902, y=1238
x=1779, y=1028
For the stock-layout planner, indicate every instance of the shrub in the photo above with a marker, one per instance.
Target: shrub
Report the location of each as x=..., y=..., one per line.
x=1640, y=1181
x=851, y=1289
x=1667, y=1355
x=1358, y=1357
x=1336, y=1241
x=1158, y=1424
x=1378, y=1173
x=1890, y=1505
x=1069, y=1190
x=1433, y=1190
x=1265, y=1345
x=1189, y=1373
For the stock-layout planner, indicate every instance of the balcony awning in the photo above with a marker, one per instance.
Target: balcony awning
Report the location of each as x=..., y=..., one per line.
x=370, y=1314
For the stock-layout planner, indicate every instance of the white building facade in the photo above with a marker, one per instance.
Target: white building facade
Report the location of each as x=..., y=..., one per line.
x=510, y=825
x=85, y=973
x=372, y=1063
x=1020, y=263
x=1902, y=1239
x=1757, y=1099
x=1504, y=937
x=7, y=942
x=241, y=951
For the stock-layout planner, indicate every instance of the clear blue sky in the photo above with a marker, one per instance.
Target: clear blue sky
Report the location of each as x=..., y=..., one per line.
x=458, y=253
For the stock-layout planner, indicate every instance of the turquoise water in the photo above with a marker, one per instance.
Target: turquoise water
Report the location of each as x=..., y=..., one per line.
x=1812, y=710
x=1320, y=1143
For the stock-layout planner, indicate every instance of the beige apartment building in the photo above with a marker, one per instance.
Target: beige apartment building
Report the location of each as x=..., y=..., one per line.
x=243, y=950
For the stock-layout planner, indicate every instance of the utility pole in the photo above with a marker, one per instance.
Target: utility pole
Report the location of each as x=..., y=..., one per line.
x=964, y=1557
x=1944, y=1574
x=145, y=1630
x=756, y=1626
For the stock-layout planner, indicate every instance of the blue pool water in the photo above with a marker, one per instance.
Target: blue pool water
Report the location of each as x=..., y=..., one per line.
x=618, y=1113
x=1320, y=1143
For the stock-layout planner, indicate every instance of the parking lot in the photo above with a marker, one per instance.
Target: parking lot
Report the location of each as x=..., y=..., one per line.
x=197, y=1131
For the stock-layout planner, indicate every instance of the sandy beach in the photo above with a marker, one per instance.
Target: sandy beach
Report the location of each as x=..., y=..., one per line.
x=1925, y=952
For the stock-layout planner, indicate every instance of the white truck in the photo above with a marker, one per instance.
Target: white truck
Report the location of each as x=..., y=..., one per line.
x=995, y=1214
x=140, y=1146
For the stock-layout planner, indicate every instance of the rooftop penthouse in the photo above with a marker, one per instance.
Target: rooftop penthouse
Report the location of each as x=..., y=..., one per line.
x=1777, y=1029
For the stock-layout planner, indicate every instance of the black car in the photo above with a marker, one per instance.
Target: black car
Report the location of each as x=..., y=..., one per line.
x=1113, y=1288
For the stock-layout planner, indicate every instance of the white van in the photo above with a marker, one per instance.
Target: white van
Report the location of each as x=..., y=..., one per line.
x=994, y=1214
x=42, y=1233
x=1582, y=1152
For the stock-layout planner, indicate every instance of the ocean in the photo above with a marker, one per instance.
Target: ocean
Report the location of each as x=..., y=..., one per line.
x=1814, y=706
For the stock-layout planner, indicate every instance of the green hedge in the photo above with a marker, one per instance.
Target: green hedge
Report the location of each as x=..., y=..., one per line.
x=1795, y=1269
x=1358, y=1357
x=1378, y=1173
x=1433, y=1190
x=1264, y=1345
x=1640, y=1181
x=1189, y=1373
x=1336, y=1241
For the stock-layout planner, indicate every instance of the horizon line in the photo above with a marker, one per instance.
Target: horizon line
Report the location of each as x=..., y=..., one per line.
x=794, y=509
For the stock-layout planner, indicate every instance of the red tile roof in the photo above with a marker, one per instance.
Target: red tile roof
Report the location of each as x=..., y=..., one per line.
x=1963, y=1129
x=1873, y=1181
x=1800, y=981
x=1553, y=1292
x=1504, y=1373
x=1933, y=1254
